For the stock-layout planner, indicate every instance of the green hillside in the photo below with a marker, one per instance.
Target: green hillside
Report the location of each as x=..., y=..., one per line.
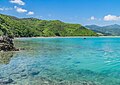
x=32, y=27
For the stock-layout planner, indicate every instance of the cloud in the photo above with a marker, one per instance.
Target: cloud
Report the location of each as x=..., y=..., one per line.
x=19, y=2
x=30, y=13
x=111, y=18
x=20, y=10
x=92, y=18
x=5, y=8
x=1, y=9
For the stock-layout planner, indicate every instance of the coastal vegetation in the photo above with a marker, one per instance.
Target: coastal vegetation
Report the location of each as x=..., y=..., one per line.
x=32, y=27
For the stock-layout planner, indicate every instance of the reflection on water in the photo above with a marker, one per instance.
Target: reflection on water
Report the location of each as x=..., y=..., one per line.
x=5, y=57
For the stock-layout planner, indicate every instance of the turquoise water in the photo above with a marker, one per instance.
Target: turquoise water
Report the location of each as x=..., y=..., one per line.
x=62, y=61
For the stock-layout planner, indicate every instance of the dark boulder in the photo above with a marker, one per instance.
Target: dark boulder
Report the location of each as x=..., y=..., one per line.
x=7, y=44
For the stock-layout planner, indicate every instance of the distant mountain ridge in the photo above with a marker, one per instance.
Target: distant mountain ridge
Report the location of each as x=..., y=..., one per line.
x=113, y=30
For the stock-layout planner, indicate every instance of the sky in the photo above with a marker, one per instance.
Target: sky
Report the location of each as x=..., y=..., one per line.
x=85, y=12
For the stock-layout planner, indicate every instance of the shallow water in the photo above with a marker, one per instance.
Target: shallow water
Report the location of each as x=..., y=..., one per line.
x=62, y=61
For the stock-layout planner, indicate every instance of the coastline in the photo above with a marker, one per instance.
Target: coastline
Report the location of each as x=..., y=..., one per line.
x=72, y=37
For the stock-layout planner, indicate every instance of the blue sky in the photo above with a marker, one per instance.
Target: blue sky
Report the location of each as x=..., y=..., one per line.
x=99, y=12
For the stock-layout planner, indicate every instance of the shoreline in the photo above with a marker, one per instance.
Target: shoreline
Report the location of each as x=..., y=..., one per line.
x=72, y=37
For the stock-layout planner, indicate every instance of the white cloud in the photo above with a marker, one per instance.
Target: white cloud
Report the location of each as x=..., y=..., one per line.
x=30, y=13
x=111, y=18
x=92, y=18
x=20, y=10
x=1, y=9
x=19, y=2
x=5, y=9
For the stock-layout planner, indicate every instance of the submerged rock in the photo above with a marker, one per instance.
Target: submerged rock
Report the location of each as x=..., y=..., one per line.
x=34, y=72
x=6, y=81
x=5, y=57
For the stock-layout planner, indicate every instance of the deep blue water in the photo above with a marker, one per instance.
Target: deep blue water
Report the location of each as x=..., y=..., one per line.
x=62, y=61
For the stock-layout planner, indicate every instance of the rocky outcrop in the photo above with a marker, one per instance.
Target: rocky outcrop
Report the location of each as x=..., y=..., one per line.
x=7, y=44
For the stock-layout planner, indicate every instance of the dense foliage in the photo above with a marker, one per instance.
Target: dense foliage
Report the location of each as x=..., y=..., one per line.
x=32, y=27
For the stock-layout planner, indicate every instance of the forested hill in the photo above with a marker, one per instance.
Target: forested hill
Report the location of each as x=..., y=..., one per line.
x=32, y=27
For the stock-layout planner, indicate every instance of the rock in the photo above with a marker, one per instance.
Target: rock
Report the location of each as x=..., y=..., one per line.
x=68, y=58
x=89, y=83
x=22, y=48
x=77, y=62
x=6, y=81
x=35, y=73
x=7, y=44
